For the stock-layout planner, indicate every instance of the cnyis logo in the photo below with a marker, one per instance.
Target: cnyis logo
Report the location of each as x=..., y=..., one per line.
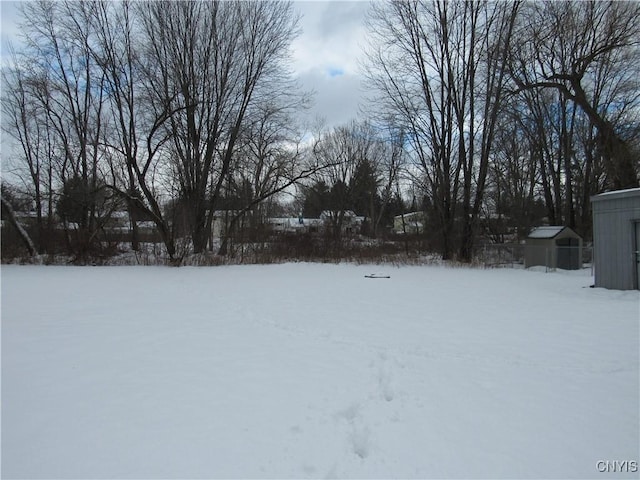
x=622, y=466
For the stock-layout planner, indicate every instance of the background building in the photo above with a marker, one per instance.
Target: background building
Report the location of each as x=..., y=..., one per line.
x=553, y=247
x=616, y=239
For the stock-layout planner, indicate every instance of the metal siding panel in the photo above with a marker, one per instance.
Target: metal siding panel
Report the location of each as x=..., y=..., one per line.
x=629, y=212
x=613, y=223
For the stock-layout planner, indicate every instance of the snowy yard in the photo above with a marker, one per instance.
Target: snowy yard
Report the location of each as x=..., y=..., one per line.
x=313, y=371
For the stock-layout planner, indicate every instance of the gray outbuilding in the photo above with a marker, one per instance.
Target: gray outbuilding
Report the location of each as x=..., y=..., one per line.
x=553, y=247
x=616, y=239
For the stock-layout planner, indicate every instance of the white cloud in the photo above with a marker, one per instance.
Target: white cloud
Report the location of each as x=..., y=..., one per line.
x=326, y=56
x=337, y=98
x=9, y=29
x=333, y=33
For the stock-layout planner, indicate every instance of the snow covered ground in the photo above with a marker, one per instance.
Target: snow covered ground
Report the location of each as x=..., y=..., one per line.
x=313, y=371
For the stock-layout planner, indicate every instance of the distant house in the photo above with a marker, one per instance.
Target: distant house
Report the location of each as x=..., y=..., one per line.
x=411, y=223
x=118, y=222
x=25, y=219
x=294, y=224
x=553, y=247
x=616, y=239
x=118, y=226
x=222, y=221
x=351, y=223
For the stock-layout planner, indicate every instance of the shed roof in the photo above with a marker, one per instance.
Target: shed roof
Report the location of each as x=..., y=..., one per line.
x=547, y=232
x=629, y=192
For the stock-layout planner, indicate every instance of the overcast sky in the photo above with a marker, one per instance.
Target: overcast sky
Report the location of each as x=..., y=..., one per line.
x=325, y=56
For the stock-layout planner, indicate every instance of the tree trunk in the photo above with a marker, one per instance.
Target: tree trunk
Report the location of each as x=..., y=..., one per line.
x=24, y=236
x=619, y=158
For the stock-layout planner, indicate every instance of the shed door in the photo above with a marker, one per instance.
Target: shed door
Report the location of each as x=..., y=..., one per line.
x=568, y=254
x=637, y=255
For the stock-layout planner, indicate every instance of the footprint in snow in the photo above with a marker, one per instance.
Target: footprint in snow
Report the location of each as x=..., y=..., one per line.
x=384, y=378
x=384, y=381
x=309, y=469
x=350, y=413
x=359, y=434
x=360, y=441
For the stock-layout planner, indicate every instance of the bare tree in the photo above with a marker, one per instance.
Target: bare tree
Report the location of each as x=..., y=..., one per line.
x=25, y=120
x=155, y=96
x=406, y=67
x=512, y=205
x=69, y=89
x=389, y=165
x=586, y=51
x=441, y=69
x=269, y=158
x=136, y=137
x=8, y=213
x=208, y=63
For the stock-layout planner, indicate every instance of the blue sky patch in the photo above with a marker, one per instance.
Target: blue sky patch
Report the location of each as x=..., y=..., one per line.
x=335, y=72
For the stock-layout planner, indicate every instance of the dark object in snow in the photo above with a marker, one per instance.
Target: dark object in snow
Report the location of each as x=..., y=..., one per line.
x=375, y=275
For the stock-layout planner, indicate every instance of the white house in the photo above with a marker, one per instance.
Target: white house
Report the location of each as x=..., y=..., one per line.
x=412, y=223
x=351, y=223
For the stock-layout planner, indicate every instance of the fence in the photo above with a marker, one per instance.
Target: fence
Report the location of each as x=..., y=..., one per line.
x=521, y=255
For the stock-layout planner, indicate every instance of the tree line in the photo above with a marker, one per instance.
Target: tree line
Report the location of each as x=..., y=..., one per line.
x=488, y=116
x=509, y=105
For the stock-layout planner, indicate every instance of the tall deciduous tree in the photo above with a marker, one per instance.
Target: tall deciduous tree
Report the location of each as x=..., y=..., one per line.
x=209, y=63
x=25, y=120
x=136, y=137
x=441, y=69
x=587, y=51
x=67, y=88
